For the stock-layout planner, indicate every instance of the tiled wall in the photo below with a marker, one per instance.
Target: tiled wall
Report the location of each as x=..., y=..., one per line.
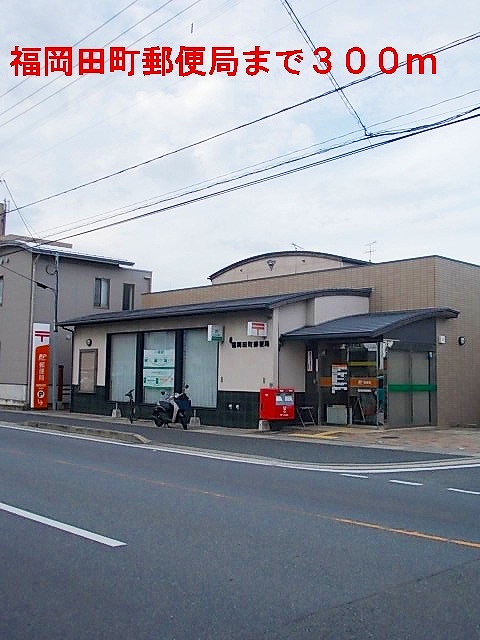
x=234, y=409
x=403, y=284
x=458, y=286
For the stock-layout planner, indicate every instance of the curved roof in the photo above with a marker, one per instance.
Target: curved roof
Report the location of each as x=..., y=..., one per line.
x=367, y=326
x=282, y=254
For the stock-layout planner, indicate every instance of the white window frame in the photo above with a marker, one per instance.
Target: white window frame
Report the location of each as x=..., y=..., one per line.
x=128, y=296
x=101, y=295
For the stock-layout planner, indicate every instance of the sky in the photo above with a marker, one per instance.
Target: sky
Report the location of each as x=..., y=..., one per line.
x=67, y=133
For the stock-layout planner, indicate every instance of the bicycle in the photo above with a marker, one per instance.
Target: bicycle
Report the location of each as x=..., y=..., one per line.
x=131, y=406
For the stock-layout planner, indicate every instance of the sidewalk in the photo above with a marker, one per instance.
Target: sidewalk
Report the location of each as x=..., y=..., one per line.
x=455, y=440
x=459, y=440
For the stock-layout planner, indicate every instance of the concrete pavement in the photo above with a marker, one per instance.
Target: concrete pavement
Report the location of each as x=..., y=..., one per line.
x=454, y=440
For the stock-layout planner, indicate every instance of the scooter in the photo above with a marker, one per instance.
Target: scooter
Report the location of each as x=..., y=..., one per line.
x=174, y=409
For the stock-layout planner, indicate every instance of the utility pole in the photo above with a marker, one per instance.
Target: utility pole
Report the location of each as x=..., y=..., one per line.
x=54, y=333
x=54, y=337
x=3, y=218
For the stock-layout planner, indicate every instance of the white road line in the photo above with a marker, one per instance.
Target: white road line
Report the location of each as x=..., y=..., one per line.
x=354, y=475
x=410, y=467
x=83, y=533
x=473, y=493
x=412, y=484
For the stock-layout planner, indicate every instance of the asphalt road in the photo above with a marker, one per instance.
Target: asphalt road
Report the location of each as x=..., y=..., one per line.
x=200, y=548
x=265, y=444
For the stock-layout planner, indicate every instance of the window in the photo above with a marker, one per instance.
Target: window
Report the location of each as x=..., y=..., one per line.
x=123, y=360
x=158, y=365
x=1, y=290
x=200, y=367
x=87, y=375
x=102, y=293
x=128, y=296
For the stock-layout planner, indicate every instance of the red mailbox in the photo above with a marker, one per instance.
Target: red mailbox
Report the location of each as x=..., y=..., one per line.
x=277, y=404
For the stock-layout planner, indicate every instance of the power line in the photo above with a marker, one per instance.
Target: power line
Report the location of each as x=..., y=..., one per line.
x=83, y=76
x=244, y=125
x=54, y=79
x=397, y=138
x=209, y=182
x=29, y=231
x=432, y=127
x=204, y=20
x=303, y=32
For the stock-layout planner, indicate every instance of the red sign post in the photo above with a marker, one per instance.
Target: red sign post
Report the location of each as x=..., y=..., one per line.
x=40, y=356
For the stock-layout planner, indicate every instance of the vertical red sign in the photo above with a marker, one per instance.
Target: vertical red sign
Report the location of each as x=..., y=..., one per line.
x=40, y=354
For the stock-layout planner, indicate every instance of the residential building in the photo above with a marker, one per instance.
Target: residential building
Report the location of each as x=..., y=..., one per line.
x=41, y=282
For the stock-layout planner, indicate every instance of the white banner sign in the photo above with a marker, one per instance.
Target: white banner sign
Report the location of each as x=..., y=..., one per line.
x=214, y=333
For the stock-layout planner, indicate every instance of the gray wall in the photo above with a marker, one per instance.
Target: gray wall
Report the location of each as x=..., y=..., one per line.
x=15, y=318
x=24, y=303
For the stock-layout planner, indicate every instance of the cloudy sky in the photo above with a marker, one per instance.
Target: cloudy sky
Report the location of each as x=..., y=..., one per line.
x=411, y=197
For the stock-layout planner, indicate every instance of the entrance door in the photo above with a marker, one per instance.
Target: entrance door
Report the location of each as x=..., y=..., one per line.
x=409, y=390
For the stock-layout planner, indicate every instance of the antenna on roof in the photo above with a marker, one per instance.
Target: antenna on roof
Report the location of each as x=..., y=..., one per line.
x=370, y=250
x=297, y=246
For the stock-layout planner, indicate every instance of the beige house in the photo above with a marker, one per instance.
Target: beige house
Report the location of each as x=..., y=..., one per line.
x=360, y=343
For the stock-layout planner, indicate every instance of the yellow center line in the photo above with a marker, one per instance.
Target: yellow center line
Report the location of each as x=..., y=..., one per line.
x=128, y=476
x=326, y=434
x=405, y=532
x=348, y=521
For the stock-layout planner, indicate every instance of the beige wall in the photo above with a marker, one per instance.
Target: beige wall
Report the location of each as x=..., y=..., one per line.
x=330, y=307
x=98, y=337
x=403, y=284
x=291, y=316
x=292, y=366
x=297, y=263
x=245, y=369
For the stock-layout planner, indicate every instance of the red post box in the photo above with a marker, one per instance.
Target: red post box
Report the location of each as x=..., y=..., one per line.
x=277, y=404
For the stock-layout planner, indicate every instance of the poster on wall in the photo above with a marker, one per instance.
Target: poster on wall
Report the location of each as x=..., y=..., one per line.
x=339, y=377
x=158, y=358
x=40, y=356
x=159, y=369
x=158, y=378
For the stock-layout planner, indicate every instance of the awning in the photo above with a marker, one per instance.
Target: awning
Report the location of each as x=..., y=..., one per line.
x=367, y=326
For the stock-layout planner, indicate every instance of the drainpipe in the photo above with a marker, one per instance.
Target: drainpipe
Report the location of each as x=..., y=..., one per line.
x=275, y=346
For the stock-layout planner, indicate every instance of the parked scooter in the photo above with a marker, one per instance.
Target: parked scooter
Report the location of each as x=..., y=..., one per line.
x=174, y=409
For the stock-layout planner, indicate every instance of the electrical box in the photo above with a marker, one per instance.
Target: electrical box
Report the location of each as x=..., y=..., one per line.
x=337, y=414
x=277, y=404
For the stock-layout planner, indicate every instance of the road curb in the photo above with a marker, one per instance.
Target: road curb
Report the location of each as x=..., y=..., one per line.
x=110, y=434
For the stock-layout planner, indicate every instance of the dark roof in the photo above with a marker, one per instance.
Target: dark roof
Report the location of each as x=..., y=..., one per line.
x=278, y=254
x=263, y=303
x=62, y=252
x=367, y=326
